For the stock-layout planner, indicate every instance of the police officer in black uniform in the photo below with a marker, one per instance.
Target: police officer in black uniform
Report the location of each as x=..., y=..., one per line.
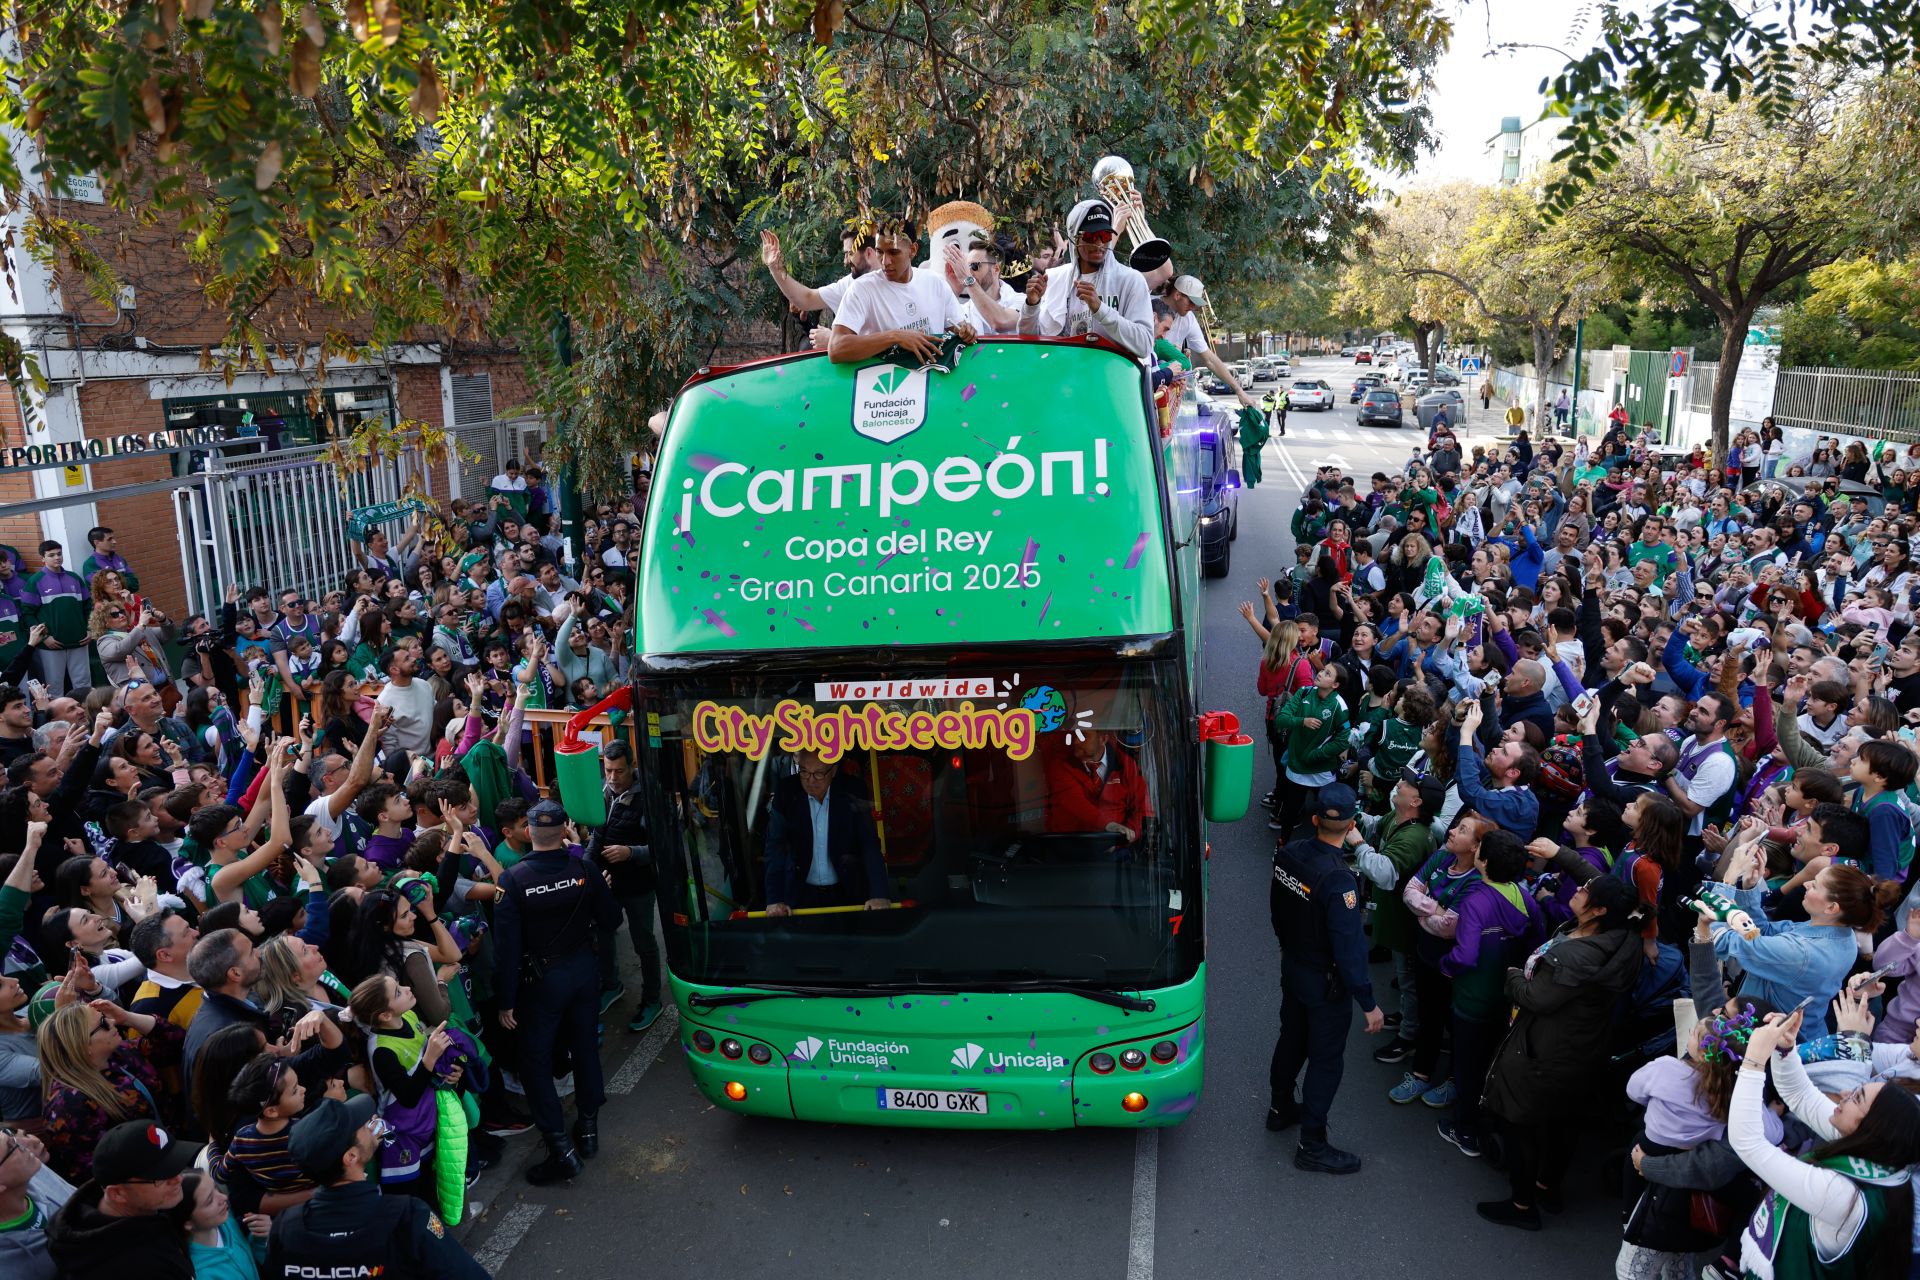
x=348, y=1228
x=551, y=904
x=1317, y=911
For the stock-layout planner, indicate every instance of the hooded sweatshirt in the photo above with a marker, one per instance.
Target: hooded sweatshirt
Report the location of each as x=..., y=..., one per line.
x=1491, y=925
x=23, y=1248
x=87, y=1244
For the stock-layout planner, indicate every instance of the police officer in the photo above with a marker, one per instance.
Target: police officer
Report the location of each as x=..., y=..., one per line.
x=1317, y=912
x=543, y=928
x=348, y=1228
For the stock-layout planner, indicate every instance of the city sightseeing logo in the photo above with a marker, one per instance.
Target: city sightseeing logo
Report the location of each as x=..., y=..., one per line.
x=889, y=401
x=966, y=1055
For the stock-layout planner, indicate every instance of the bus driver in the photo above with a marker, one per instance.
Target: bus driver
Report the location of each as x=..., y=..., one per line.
x=1095, y=786
x=822, y=849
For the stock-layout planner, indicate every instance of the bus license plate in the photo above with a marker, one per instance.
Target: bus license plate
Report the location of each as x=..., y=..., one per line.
x=963, y=1101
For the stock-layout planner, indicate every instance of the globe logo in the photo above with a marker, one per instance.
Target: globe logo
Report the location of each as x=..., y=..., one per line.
x=1048, y=706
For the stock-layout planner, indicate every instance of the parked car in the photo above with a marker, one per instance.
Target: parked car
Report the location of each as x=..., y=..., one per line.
x=1347, y=352
x=1363, y=384
x=1263, y=371
x=1418, y=379
x=1444, y=397
x=1380, y=405
x=1795, y=488
x=1445, y=377
x=1363, y=356
x=1310, y=393
x=1211, y=384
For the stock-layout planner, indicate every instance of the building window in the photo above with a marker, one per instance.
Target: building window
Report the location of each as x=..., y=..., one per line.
x=280, y=419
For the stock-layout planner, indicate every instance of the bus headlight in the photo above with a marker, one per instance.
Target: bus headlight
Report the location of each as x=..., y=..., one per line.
x=730, y=1048
x=703, y=1041
x=738, y=1092
x=1165, y=1051
x=1101, y=1063
x=1132, y=1059
x=759, y=1054
x=1132, y=1102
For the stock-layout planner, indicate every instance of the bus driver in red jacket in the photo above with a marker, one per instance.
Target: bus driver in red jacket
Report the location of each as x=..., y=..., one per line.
x=1093, y=785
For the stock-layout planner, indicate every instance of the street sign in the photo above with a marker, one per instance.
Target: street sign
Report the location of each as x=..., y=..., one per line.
x=1469, y=364
x=364, y=518
x=1682, y=359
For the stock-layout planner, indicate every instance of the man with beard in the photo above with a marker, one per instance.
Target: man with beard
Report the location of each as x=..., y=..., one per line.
x=1095, y=292
x=857, y=250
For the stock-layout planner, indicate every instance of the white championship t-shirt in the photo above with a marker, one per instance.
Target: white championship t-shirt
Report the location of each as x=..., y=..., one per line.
x=1187, y=335
x=832, y=295
x=875, y=304
x=1010, y=298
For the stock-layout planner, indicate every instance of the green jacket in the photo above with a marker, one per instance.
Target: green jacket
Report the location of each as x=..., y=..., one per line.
x=1311, y=750
x=64, y=605
x=1407, y=846
x=1307, y=529
x=92, y=565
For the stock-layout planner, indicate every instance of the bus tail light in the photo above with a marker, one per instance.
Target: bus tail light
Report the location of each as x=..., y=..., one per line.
x=730, y=1048
x=703, y=1041
x=1165, y=1051
x=1133, y=1059
x=738, y=1092
x=1102, y=1063
x=1132, y=1102
x=759, y=1054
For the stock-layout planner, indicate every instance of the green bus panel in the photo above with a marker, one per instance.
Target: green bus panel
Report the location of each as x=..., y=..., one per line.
x=800, y=503
x=1021, y=1059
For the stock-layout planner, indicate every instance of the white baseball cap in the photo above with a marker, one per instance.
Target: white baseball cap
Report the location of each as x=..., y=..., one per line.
x=1195, y=291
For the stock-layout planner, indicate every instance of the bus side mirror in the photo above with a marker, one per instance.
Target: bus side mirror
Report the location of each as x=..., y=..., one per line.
x=576, y=764
x=1226, y=767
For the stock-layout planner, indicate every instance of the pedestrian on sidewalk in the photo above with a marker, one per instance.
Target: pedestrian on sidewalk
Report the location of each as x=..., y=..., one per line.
x=1486, y=395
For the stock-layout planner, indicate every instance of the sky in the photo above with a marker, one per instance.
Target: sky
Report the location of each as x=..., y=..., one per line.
x=1476, y=82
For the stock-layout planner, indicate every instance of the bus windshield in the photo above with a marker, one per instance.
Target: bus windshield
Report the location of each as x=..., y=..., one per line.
x=961, y=826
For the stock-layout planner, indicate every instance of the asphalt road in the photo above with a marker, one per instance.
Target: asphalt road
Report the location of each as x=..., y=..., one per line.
x=683, y=1190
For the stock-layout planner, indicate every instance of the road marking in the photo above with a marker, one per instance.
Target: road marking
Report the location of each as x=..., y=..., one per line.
x=1146, y=1184
x=513, y=1228
x=665, y=1029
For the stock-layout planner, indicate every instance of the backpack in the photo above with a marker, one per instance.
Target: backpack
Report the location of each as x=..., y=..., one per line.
x=1562, y=774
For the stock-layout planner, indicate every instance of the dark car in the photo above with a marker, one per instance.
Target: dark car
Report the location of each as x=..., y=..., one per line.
x=1380, y=405
x=1444, y=377
x=1363, y=384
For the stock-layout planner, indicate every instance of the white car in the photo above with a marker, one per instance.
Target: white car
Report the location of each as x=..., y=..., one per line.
x=1310, y=393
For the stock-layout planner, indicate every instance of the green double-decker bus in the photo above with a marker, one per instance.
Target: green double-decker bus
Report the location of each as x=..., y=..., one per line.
x=915, y=685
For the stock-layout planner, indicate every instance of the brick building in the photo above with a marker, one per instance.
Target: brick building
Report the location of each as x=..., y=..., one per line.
x=138, y=368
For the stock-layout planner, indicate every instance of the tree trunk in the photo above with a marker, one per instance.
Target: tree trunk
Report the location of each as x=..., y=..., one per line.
x=1733, y=340
x=1542, y=359
x=1423, y=344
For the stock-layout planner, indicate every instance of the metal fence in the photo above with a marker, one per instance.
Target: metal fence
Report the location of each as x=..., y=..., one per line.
x=491, y=444
x=1873, y=404
x=1700, y=385
x=277, y=520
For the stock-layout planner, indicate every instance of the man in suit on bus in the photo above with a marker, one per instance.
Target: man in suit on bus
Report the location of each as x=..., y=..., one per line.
x=822, y=849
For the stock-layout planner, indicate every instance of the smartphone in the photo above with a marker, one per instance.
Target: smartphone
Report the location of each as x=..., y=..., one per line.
x=1801, y=1006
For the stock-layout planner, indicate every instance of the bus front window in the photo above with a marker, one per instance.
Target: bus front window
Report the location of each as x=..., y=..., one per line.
x=948, y=829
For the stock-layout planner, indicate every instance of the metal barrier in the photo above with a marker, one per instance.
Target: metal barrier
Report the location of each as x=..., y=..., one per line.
x=278, y=520
x=537, y=757
x=1875, y=404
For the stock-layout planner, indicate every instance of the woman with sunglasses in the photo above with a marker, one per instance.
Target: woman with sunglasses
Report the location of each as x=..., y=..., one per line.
x=118, y=635
x=96, y=1076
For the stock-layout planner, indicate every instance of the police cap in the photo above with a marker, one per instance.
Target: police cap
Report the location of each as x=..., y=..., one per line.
x=327, y=1132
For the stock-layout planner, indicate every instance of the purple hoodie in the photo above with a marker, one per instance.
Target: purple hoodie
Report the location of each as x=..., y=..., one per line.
x=1491, y=932
x=1559, y=908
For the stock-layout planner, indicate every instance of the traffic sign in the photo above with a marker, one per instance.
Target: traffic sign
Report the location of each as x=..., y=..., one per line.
x=1469, y=364
x=1681, y=361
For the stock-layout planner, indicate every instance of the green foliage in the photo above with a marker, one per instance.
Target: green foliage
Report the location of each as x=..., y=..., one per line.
x=1679, y=64
x=1859, y=314
x=466, y=170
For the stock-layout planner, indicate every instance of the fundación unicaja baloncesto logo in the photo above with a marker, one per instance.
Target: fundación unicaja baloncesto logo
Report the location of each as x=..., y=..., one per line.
x=966, y=1055
x=804, y=1050
x=889, y=401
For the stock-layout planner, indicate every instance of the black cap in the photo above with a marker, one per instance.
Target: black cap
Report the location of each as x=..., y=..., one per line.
x=327, y=1132
x=546, y=814
x=1336, y=802
x=140, y=1152
x=1432, y=791
x=1098, y=217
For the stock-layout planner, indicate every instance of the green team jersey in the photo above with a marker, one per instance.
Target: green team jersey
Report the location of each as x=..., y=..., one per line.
x=64, y=603
x=91, y=565
x=1778, y=1243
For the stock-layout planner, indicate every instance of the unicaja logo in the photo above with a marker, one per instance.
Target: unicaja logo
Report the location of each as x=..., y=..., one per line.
x=966, y=1055
x=889, y=401
x=804, y=1050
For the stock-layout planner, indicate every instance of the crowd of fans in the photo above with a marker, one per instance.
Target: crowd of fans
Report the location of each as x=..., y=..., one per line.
x=1635, y=738
x=249, y=864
